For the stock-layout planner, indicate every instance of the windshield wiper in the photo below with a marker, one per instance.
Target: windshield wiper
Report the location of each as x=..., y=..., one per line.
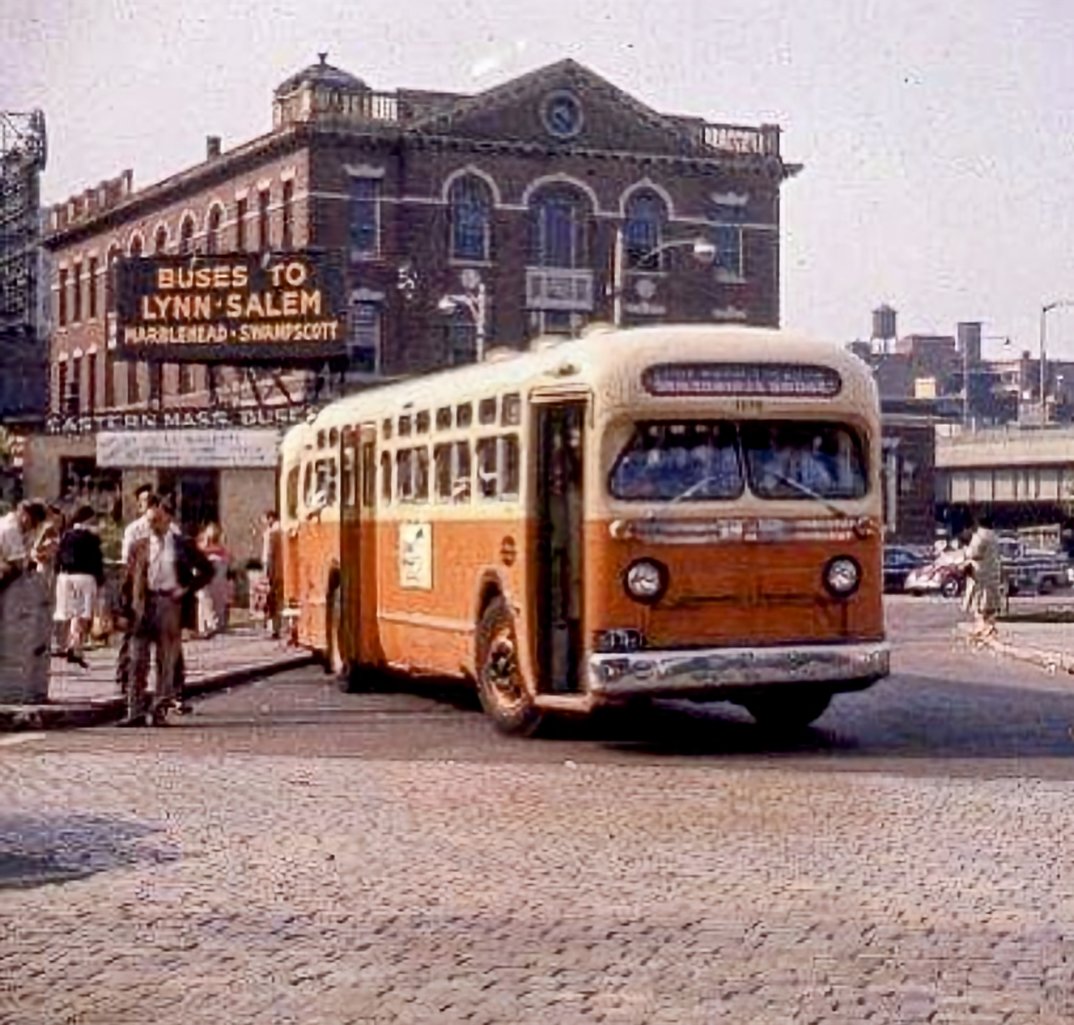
x=696, y=486
x=803, y=489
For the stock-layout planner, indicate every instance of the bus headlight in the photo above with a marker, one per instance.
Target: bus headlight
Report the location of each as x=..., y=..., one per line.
x=842, y=576
x=646, y=580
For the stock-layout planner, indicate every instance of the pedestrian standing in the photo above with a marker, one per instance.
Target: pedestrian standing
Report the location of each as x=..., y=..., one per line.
x=162, y=571
x=137, y=530
x=984, y=578
x=23, y=652
x=213, y=600
x=80, y=566
x=272, y=564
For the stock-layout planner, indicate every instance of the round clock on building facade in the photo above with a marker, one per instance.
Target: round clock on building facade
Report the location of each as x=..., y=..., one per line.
x=562, y=114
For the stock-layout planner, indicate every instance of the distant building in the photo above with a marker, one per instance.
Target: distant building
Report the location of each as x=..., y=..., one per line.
x=23, y=273
x=556, y=196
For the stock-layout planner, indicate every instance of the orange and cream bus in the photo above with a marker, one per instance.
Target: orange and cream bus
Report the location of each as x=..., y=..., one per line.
x=668, y=512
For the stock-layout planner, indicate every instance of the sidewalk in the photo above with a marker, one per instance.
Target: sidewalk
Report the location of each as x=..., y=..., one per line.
x=88, y=697
x=1049, y=645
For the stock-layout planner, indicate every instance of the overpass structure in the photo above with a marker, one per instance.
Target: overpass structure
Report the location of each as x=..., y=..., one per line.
x=1023, y=476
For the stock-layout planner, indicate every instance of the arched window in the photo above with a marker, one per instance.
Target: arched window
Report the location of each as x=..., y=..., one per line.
x=186, y=234
x=471, y=207
x=160, y=240
x=559, y=222
x=642, y=230
x=212, y=229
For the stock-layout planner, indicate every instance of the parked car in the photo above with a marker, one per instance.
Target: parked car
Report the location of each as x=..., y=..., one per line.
x=1032, y=570
x=945, y=575
x=899, y=562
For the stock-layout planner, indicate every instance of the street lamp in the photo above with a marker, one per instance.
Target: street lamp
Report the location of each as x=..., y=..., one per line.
x=472, y=300
x=702, y=250
x=1054, y=305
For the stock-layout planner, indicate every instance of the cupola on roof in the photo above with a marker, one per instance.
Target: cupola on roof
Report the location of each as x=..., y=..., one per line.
x=322, y=74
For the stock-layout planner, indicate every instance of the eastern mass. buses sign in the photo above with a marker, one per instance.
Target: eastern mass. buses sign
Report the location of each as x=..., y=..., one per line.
x=275, y=307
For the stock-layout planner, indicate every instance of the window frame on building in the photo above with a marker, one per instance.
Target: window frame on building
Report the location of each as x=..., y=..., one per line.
x=214, y=219
x=91, y=284
x=287, y=215
x=264, y=224
x=645, y=217
x=470, y=206
x=186, y=235
x=373, y=328
x=363, y=217
x=558, y=242
x=241, y=211
x=76, y=291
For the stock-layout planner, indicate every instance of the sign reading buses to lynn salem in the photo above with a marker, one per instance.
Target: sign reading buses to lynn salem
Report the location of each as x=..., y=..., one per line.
x=272, y=308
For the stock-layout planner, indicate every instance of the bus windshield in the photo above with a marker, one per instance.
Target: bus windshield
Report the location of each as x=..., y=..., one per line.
x=713, y=460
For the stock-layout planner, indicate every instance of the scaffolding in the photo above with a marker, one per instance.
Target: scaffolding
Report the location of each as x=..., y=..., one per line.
x=22, y=301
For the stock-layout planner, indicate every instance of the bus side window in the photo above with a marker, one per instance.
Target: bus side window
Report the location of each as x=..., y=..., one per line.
x=348, y=480
x=421, y=474
x=511, y=412
x=460, y=486
x=369, y=470
x=510, y=466
x=442, y=470
x=487, y=482
x=404, y=484
x=292, y=493
x=486, y=411
x=307, y=485
x=386, y=477
x=464, y=415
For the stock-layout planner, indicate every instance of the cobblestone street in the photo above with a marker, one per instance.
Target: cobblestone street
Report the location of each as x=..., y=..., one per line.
x=291, y=854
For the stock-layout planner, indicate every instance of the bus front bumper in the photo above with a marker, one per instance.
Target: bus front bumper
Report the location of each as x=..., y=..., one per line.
x=708, y=671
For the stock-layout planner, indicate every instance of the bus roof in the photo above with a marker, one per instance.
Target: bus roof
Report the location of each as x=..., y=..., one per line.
x=602, y=353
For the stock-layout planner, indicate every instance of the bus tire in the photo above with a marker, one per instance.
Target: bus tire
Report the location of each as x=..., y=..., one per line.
x=500, y=684
x=788, y=710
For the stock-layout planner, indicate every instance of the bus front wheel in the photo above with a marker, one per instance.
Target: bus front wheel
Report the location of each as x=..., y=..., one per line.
x=791, y=709
x=500, y=685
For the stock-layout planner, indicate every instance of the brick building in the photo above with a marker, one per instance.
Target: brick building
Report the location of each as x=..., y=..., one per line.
x=556, y=197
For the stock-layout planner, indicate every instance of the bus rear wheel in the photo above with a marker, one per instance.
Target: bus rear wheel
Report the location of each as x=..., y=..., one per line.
x=788, y=709
x=500, y=685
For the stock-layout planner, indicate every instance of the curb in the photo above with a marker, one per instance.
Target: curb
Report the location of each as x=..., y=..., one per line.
x=1050, y=661
x=68, y=715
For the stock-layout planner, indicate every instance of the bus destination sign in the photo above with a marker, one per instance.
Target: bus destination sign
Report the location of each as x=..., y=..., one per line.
x=241, y=307
x=750, y=379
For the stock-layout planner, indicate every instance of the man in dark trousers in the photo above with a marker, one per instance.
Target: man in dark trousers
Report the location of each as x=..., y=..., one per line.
x=163, y=571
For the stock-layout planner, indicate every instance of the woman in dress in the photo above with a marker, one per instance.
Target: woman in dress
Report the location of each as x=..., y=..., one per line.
x=984, y=586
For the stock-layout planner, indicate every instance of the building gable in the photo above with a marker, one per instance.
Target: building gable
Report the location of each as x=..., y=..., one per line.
x=563, y=105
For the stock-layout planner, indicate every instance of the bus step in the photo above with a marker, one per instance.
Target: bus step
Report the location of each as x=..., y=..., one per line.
x=579, y=703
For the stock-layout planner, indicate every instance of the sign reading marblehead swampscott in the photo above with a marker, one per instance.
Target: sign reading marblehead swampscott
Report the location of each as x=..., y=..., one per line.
x=238, y=308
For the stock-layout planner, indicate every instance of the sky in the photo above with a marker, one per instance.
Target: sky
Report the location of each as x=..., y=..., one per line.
x=937, y=138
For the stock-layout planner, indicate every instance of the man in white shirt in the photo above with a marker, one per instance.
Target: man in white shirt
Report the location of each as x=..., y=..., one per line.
x=137, y=529
x=162, y=570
